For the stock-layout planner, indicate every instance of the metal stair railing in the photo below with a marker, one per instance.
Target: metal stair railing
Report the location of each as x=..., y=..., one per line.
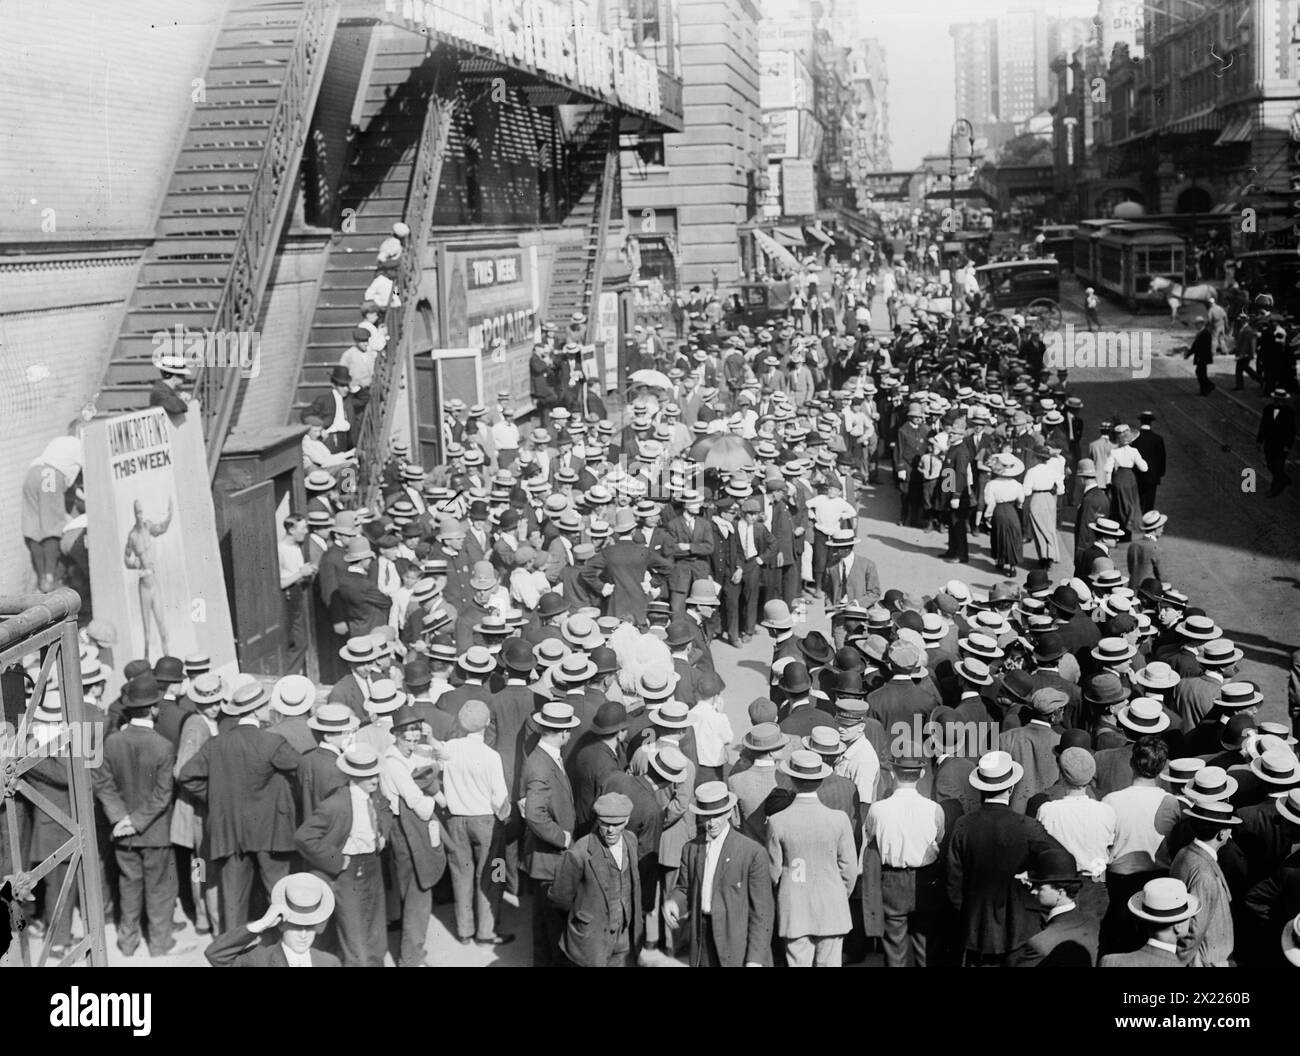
x=217, y=385
x=377, y=418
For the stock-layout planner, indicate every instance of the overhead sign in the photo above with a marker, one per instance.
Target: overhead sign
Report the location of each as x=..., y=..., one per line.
x=489, y=293
x=549, y=35
x=799, y=187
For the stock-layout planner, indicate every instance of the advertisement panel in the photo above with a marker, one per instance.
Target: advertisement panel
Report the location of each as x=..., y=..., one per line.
x=155, y=566
x=781, y=133
x=799, y=187
x=490, y=291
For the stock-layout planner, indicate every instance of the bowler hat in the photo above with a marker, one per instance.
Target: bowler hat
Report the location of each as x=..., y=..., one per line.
x=610, y=718
x=142, y=692
x=1052, y=866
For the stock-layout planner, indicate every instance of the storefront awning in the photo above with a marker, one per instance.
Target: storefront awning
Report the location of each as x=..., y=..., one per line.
x=789, y=236
x=820, y=235
x=1204, y=120
x=776, y=251
x=1237, y=131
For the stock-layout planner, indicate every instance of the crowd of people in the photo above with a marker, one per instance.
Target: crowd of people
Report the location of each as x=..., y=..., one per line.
x=520, y=692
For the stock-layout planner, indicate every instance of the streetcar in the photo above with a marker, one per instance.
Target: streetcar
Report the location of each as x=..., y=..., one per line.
x=1131, y=254
x=1085, y=258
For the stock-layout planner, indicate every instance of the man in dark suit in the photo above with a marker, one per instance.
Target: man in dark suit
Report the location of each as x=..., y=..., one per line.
x=1093, y=504
x=342, y=842
x=1166, y=908
x=724, y=887
x=1078, y=634
x=166, y=390
x=690, y=545
x=1151, y=446
x=959, y=480
x=318, y=772
x=550, y=819
x=176, y=707
x=987, y=850
x=798, y=714
x=243, y=775
x=1068, y=938
x=617, y=571
x=850, y=575
x=901, y=702
x=301, y=904
x=337, y=409
x=598, y=753
x=359, y=606
x=753, y=550
x=134, y=787
x=1276, y=436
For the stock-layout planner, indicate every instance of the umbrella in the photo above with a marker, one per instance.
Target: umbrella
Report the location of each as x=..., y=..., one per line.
x=654, y=378
x=724, y=451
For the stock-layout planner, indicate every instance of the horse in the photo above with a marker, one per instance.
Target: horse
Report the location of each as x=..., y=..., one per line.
x=1179, y=295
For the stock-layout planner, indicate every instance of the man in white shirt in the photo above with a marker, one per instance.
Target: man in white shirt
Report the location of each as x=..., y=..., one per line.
x=860, y=762
x=906, y=828
x=360, y=361
x=474, y=787
x=505, y=434
x=1083, y=826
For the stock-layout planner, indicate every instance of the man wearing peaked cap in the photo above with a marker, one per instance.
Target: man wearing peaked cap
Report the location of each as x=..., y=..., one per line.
x=724, y=889
x=598, y=886
x=342, y=840
x=243, y=776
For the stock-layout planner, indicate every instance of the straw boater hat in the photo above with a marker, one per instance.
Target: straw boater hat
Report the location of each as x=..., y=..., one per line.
x=1143, y=715
x=805, y=765
x=304, y=899
x=1164, y=901
x=996, y=772
x=360, y=760
x=334, y=718
x=1182, y=771
x=712, y=798
x=556, y=715
x=292, y=695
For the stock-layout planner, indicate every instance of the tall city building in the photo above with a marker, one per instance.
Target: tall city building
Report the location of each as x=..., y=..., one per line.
x=683, y=208
x=1022, y=71
x=975, y=54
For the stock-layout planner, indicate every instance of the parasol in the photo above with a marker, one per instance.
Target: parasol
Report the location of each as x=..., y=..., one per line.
x=653, y=378
x=724, y=451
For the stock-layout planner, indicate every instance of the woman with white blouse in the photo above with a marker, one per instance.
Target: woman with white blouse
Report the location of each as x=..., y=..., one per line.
x=1124, y=459
x=1043, y=483
x=1003, y=498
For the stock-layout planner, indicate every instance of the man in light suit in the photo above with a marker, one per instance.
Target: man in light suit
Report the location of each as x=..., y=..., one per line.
x=850, y=575
x=1031, y=746
x=1068, y=938
x=1167, y=909
x=549, y=820
x=724, y=887
x=814, y=865
x=1209, y=940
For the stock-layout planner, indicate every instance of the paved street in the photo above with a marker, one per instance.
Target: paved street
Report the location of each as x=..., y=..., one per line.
x=1226, y=544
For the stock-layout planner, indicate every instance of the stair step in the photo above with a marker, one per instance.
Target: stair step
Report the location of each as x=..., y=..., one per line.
x=223, y=207
x=248, y=151
x=149, y=320
x=201, y=225
x=248, y=107
x=157, y=295
x=191, y=247
x=227, y=140
x=213, y=199
x=200, y=167
x=165, y=273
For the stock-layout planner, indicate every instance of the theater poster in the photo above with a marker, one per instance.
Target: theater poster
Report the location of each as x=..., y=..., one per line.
x=155, y=569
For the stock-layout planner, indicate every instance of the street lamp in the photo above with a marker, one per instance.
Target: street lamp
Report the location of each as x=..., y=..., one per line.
x=963, y=128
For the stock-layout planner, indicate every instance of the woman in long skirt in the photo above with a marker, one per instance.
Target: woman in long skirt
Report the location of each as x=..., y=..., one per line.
x=1003, y=498
x=45, y=505
x=1124, y=459
x=1043, y=483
